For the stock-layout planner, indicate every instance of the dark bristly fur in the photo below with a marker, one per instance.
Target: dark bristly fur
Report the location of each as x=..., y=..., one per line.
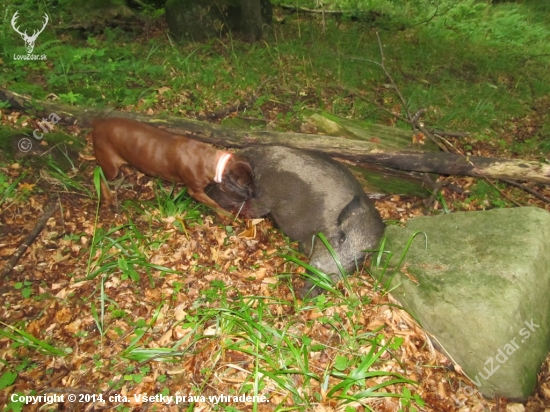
x=307, y=193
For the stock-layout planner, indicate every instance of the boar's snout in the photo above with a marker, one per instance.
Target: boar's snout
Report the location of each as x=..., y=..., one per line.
x=358, y=228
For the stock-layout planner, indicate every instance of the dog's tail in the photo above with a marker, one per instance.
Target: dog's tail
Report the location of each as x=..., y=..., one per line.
x=99, y=118
x=94, y=122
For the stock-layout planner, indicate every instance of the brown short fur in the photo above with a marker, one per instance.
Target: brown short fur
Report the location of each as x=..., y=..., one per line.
x=175, y=158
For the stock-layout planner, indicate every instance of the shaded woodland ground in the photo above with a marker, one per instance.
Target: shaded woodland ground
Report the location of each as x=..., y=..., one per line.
x=162, y=298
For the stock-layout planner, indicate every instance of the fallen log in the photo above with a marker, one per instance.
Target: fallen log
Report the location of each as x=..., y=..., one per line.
x=350, y=149
x=51, y=207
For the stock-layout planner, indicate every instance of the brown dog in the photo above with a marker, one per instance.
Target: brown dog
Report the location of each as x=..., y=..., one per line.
x=171, y=157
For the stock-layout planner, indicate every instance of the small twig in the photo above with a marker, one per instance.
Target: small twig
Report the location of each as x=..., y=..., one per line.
x=455, y=188
x=434, y=188
x=51, y=207
x=528, y=190
x=44, y=388
x=390, y=78
x=415, y=121
x=252, y=119
x=450, y=145
x=317, y=11
x=412, y=119
x=500, y=191
x=68, y=192
x=511, y=182
x=438, y=142
x=449, y=134
x=429, y=19
x=416, y=117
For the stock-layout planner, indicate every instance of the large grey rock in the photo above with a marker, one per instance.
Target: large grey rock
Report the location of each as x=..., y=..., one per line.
x=482, y=288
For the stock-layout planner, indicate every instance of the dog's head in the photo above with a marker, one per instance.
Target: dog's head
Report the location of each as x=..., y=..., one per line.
x=238, y=180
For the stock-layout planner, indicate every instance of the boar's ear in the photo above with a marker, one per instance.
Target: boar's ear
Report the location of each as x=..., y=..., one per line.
x=348, y=210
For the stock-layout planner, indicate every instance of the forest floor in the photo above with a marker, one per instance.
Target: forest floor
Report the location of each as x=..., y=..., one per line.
x=161, y=298
x=207, y=268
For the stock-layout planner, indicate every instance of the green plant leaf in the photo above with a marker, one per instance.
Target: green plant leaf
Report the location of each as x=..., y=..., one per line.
x=7, y=379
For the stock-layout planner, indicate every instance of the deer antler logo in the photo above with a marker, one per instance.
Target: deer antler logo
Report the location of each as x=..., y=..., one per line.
x=29, y=40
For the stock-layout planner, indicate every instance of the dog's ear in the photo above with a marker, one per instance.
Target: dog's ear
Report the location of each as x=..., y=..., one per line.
x=216, y=193
x=238, y=180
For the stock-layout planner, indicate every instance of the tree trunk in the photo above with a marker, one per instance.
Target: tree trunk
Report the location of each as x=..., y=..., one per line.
x=368, y=151
x=251, y=13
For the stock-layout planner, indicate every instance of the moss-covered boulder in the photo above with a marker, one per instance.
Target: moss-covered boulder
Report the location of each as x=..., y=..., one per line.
x=480, y=285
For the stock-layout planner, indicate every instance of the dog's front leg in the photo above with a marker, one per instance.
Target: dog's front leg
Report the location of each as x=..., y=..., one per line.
x=203, y=198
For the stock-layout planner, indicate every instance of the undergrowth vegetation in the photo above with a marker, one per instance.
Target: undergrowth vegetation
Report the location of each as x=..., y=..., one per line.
x=476, y=67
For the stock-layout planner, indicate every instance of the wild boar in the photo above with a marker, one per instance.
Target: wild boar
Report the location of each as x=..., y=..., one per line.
x=307, y=193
